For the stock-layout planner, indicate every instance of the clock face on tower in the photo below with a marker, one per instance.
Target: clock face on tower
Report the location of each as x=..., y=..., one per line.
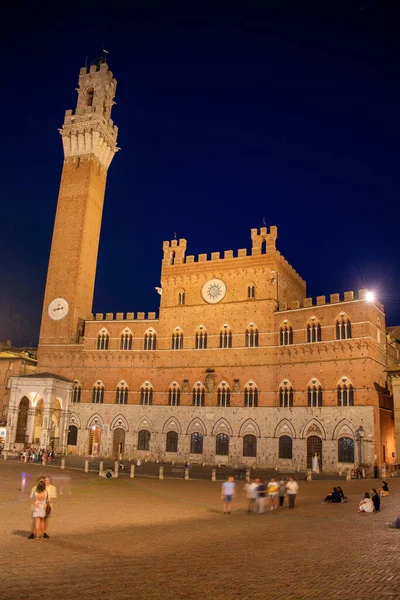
x=58, y=309
x=213, y=291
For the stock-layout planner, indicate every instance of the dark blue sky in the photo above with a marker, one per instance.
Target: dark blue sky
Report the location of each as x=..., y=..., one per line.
x=229, y=112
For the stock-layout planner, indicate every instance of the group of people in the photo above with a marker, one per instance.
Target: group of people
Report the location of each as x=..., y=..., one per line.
x=370, y=503
x=42, y=496
x=260, y=494
x=36, y=455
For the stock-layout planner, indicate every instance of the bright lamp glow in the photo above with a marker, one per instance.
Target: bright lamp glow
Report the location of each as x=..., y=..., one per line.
x=370, y=296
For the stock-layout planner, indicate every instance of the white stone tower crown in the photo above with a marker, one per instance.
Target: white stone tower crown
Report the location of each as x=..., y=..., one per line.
x=91, y=130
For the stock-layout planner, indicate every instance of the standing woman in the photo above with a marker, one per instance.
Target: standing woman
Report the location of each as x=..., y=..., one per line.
x=39, y=501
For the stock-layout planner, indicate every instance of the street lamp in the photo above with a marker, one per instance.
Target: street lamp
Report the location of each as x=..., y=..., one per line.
x=370, y=296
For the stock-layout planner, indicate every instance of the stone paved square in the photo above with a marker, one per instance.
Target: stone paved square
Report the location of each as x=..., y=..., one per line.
x=150, y=539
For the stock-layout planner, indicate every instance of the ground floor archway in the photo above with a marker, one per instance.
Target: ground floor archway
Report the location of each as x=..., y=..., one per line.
x=94, y=440
x=21, y=435
x=314, y=448
x=118, y=442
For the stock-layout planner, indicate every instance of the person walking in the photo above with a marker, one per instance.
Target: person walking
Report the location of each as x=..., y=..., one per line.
x=228, y=494
x=282, y=492
x=273, y=490
x=250, y=489
x=39, y=501
x=292, y=488
x=261, y=497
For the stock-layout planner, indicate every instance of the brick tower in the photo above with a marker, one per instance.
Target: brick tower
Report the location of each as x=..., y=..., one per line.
x=89, y=139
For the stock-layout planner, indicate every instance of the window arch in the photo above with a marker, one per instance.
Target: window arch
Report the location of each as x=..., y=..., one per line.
x=201, y=338
x=223, y=395
x=346, y=450
x=150, y=340
x=146, y=394
x=251, y=291
x=177, y=339
x=343, y=327
x=126, y=340
x=251, y=336
x=314, y=393
x=249, y=445
x=196, y=443
x=285, y=447
x=225, y=337
x=250, y=395
x=144, y=439
x=345, y=392
x=199, y=394
x=314, y=333
x=222, y=444
x=121, y=393
x=102, y=340
x=286, y=334
x=76, y=391
x=98, y=393
x=174, y=394
x=285, y=394
x=171, y=442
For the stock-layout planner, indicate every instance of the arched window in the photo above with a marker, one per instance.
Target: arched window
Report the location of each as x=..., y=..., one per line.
x=76, y=391
x=150, y=340
x=285, y=447
x=121, y=393
x=181, y=298
x=89, y=97
x=98, y=393
x=72, y=435
x=177, y=339
x=126, y=340
x=286, y=334
x=199, y=395
x=102, y=340
x=314, y=393
x=225, y=337
x=251, y=395
x=251, y=291
x=249, y=445
x=343, y=327
x=172, y=442
x=251, y=336
x=174, y=394
x=222, y=444
x=144, y=440
x=345, y=392
x=146, y=394
x=313, y=331
x=201, y=338
x=196, y=443
x=285, y=394
x=346, y=450
x=223, y=395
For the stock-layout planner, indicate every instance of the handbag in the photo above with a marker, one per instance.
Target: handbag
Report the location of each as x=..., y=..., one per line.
x=48, y=509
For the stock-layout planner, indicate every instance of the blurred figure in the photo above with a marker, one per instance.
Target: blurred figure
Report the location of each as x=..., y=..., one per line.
x=228, y=494
x=261, y=496
x=250, y=489
x=366, y=505
x=375, y=499
x=292, y=488
x=51, y=498
x=384, y=490
x=273, y=489
x=39, y=502
x=282, y=492
x=395, y=524
x=335, y=497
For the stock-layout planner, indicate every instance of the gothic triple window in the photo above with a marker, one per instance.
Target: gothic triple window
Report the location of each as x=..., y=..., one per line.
x=285, y=394
x=343, y=327
x=223, y=395
x=177, y=339
x=102, y=340
x=222, y=444
x=314, y=393
x=126, y=340
x=121, y=393
x=171, y=442
x=76, y=392
x=98, y=393
x=174, y=395
x=251, y=336
x=251, y=395
x=225, y=337
x=146, y=394
x=345, y=393
x=196, y=443
x=313, y=331
x=201, y=338
x=199, y=395
x=286, y=334
x=150, y=340
x=346, y=450
x=250, y=445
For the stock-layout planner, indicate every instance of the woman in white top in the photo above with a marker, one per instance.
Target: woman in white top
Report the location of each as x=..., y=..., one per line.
x=366, y=505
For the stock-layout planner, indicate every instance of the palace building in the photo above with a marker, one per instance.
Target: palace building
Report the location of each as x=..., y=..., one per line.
x=239, y=367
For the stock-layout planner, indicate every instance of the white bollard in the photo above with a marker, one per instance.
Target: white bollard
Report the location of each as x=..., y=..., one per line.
x=309, y=475
x=186, y=474
x=132, y=475
x=214, y=475
x=5, y=455
x=86, y=469
x=43, y=460
x=161, y=473
x=63, y=463
x=101, y=467
x=247, y=475
x=348, y=475
x=116, y=469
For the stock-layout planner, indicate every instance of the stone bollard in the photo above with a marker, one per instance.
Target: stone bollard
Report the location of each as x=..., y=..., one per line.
x=5, y=455
x=43, y=460
x=214, y=475
x=247, y=475
x=116, y=469
x=309, y=475
x=132, y=475
x=63, y=463
x=186, y=474
x=25, y=459
x=101, y=467
x=348, y=475
x=161, y=473
x=86, y=469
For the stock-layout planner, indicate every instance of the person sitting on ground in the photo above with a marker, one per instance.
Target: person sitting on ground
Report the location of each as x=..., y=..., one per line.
x=375, y=499
x=341, y=492
x=334, y=497
x=395, y=524
x=384, y=490
x=366, y=505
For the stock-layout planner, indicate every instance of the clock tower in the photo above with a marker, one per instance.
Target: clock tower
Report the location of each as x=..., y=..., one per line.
x=89, y=139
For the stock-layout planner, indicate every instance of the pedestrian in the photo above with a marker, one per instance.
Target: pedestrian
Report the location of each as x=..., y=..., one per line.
x=261, y=496
x=273, y=490
x=250, y=489
x=366, y=505
x=41, y=479
x=376, y=500
x=52, y=496
x=228, y=494
x=282, y=492
x=39, y=502
x=292, y=488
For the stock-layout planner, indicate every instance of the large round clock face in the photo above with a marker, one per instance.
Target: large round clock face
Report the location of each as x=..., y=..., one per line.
x=213, y=291
x=58, y=309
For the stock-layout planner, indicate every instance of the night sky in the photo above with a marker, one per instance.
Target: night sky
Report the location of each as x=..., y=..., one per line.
x=229, y=113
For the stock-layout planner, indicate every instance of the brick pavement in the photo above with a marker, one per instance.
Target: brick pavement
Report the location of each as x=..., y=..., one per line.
x=162, y=540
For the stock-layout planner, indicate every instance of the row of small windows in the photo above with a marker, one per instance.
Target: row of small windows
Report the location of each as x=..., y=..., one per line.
x=345, y=394
x=314, y=334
